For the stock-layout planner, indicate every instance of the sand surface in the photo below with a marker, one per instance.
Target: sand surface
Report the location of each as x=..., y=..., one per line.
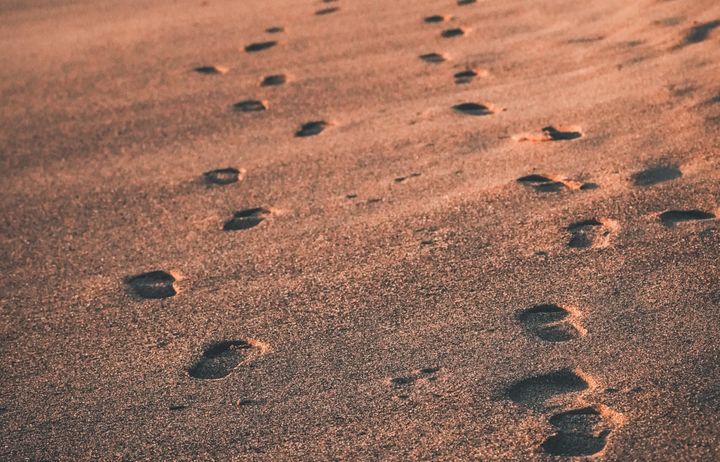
x=516, y=263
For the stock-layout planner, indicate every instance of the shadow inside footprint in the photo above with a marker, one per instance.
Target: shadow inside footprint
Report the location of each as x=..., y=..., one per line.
x=673, y=217
x=465, y=76
x=550, y=322
x=275, y=29
x=700, y=32
x=591, y=233
x=250, y=105
x=465, y=2
x=535, y=391
x=434, y=19
x=153, y=285
x=211, y=70
x=219, y=359
x=325, y=11
x=453, y=32
x=273, y=80
x=311, y=128
x=557, y=135
x=581, y=432
x=432, y=58
x=473, y=109
x=654, y=175
x=260, y=46
x=222, y=176
x=246, y=219
x=542, y=183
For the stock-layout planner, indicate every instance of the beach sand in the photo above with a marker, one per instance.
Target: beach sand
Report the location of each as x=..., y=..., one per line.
x=360, y=230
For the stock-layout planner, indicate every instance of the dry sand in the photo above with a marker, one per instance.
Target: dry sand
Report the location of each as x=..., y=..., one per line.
x=398, y=262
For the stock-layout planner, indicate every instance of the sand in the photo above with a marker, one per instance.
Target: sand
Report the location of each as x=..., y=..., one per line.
x=299, y=230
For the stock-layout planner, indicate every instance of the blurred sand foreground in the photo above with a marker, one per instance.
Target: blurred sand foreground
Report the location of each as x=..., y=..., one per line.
x=360, y=230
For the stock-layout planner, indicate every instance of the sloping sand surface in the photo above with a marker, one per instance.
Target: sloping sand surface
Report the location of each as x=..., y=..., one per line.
x=360, y=230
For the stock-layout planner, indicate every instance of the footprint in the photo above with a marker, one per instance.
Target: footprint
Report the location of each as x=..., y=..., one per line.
x=656, y=174
x=275, y=30
x=402, y=179
x=673, y=217
x=250, y=105
x=700, y=32
x=325, y=11
x=404, y=385
x=246, y=219
x=153, y=285
x=550, y=183
x=453, y=32
x=595, y=233
x=551, y=133
x=223, y=176
x=273, y=80
x=468, y=75
x=260, y=46
x=465, y=2
x=219, y=359
x=311, y=128
x=211, y=70
x=474, y=109
x=581, y=432
x=551, y=322
x=540, y=390
x=434, y=58
x=435, y=18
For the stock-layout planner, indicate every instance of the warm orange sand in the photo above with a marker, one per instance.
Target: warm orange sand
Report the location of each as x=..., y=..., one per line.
x=489, y=234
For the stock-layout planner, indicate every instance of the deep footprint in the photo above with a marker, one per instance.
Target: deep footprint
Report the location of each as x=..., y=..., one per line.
x=551, y=323
x=246, y=219
x=220, y=359
x=260, y=46
x=466, y=76
x=454, y=32
x=595, y=233
x=673, y=217
x=434, y=19
x=654, y=175
x=473, y=109
x=250, y=105
x=581, y=432
x=222, y=176
x=153, y=285
x=542, y=183
x=434, y=58
x=211, y=70
x=551, y=133
x=536, y=391
x=311, y=128
x=273, y=80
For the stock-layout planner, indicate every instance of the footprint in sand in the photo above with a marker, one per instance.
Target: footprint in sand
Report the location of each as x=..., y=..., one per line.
x=582, y=431
x=474, y=109
x=549, y=390
x=435, y=19
x=551, y=183
x=453, y=32
x=551, y=322
x=211, y=70
x=465, y=2
x=260, y=46
x=551, y=133
x=311, y=128
x=592, y=233
x=468, y=75
x=655, y=174
x=251, y=105
x=404, y=385
x=433, y=58
x=403, y=179
x=246, y=219
x=153, y=285
x=273, y=80
x=219, y=359
x=275, y=30
x=325, y=11
x=224, y=176
x=699, y=33
x=673, y=217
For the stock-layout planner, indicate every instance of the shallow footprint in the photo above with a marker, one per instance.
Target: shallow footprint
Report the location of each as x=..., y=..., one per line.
x=537, y=390
x=673, y=217
x=311, y=128
x=453, y=32
x=275, y=29
x=595, y=233
x=260, y=46
x=250, y=105
x=219, y=359
x=581, y=432
x=325, y=11
x=551, y=133
x=211, y=70
x=468, y=75
x=656, y=174
x=223, y=176
x=474, y=109
x=246, y=219
x=273, y=80
x=434, y=58
x=551, y=323
x=153, y=285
